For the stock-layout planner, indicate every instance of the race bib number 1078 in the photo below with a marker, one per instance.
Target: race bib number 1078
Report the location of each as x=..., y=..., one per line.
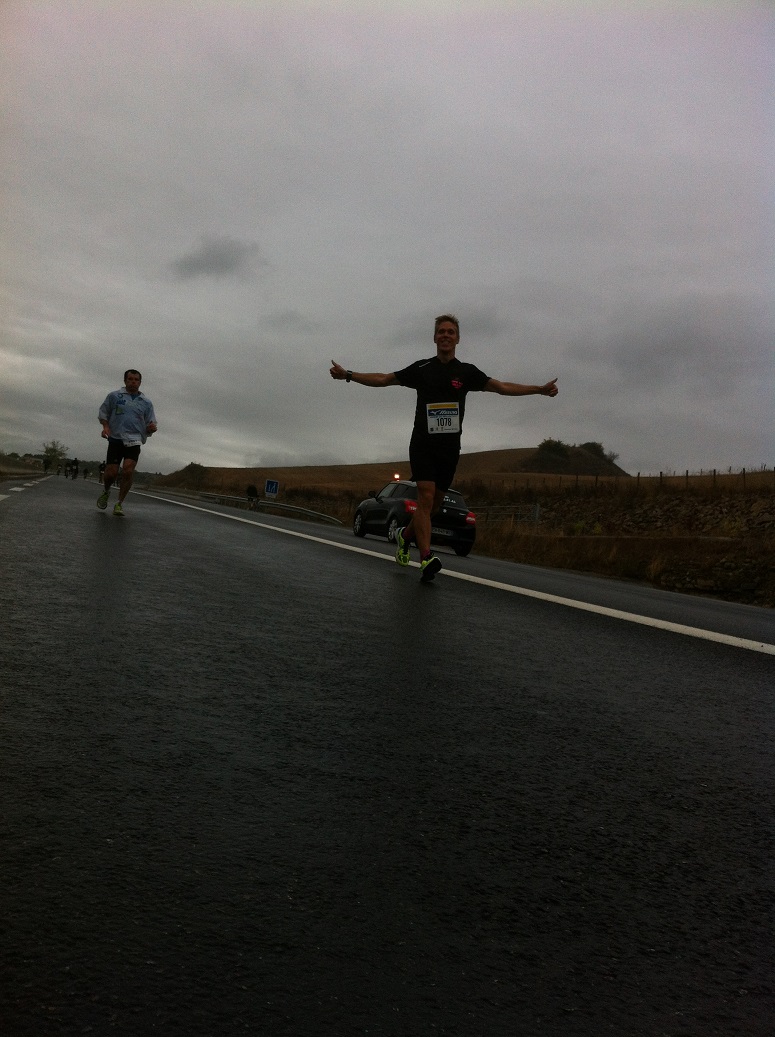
x=443, y=417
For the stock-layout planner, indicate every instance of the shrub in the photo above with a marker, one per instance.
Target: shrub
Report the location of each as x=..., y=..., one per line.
x=554, y=447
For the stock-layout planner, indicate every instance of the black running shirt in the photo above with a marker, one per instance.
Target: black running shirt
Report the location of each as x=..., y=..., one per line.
x=441, y=398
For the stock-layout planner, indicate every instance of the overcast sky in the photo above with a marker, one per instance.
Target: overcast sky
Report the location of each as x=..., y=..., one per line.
x=228, y=195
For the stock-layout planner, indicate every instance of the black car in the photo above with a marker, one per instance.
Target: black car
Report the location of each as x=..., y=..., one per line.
x=384, y=512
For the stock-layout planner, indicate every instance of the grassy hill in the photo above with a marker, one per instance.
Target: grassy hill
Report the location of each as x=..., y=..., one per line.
x=485, y=465
x=551, y=458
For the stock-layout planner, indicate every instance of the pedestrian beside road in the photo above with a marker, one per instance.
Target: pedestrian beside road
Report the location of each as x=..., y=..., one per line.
x=442, y=383
x=127, y=418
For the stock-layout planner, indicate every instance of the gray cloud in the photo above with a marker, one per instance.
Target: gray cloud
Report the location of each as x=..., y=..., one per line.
x=588, y=190
x=219, y=258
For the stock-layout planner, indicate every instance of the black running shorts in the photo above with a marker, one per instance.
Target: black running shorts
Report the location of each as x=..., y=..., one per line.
x=117, y=452
x=431, y=464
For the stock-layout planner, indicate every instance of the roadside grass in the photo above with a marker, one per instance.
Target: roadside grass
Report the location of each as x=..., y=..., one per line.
x=527, y=486
x=479, y=487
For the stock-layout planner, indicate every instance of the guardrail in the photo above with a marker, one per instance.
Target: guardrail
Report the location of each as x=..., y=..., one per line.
x=254, y=505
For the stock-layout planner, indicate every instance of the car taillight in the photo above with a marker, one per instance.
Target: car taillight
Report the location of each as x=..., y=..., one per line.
x=471, y=519
x=410, y=505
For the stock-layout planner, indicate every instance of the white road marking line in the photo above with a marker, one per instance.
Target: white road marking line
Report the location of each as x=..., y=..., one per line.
x=553, y=599
x=20, y=489
x=628, y=617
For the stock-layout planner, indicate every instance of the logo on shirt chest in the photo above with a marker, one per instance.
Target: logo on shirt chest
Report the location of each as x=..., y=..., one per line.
x=456, y=383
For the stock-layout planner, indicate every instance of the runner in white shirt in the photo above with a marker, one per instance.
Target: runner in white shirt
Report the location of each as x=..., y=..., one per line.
x=127, y=418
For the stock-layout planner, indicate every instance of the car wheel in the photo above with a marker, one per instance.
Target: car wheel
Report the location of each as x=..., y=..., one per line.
x=359, y=529
x=392, y=527
x=463, y=550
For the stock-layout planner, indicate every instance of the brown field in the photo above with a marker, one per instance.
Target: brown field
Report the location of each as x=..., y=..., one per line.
x=489, y=476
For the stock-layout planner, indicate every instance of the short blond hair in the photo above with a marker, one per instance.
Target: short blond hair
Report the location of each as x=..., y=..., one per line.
x=446, y=317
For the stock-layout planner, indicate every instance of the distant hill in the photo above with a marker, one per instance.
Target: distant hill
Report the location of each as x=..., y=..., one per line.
x=557, y=460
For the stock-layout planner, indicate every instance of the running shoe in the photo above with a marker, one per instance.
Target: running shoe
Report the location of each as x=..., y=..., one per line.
x=117, y=509
x=429, y=567
x=102, y=500
x=402, y=552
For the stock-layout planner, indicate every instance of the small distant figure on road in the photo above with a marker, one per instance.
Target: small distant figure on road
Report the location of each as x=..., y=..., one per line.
x=59, y=469
x=86, y=473
x=442, y=383
x=46, y=465
x=127, y=418
x=74, y=468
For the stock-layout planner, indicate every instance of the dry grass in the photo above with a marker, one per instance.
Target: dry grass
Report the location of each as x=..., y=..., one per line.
x=524, y=486
x=741, y=570
x=491, y=475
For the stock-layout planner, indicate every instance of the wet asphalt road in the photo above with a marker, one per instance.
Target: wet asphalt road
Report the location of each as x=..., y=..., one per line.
x=256, y=784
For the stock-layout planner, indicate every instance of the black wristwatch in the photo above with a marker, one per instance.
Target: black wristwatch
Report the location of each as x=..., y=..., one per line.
x=349, y=376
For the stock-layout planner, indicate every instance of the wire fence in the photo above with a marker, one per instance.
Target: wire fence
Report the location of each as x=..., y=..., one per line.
x=523, y=486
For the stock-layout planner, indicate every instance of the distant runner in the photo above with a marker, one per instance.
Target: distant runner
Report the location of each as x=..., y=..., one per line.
x=127, y=418
x=442, y=383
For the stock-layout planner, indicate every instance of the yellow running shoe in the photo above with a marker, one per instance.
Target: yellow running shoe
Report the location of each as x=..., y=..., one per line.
x=402, y=551
x=429, y=567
